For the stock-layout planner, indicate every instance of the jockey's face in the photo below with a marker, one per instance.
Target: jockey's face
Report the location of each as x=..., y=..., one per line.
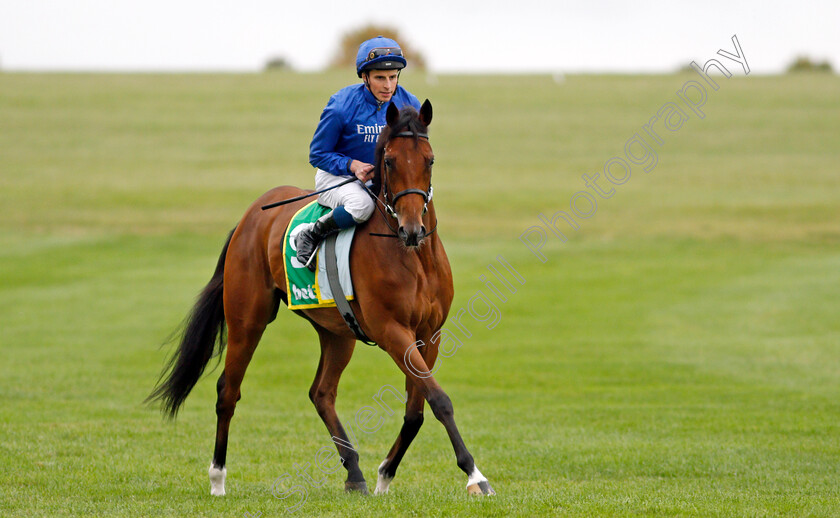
x=382, y=83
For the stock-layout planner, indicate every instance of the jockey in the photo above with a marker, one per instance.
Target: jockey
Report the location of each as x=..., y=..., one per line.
x=345, y=141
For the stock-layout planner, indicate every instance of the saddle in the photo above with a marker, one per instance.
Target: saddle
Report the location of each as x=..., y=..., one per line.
x=330, y=285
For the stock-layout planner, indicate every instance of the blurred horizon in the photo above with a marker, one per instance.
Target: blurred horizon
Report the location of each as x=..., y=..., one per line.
x=536, y=37
x=429, y=75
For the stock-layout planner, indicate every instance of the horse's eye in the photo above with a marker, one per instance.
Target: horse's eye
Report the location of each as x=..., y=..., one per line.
x=388, y=163
x=431, y=162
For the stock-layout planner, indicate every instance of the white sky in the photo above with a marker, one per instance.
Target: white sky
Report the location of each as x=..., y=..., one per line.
x=470, y=36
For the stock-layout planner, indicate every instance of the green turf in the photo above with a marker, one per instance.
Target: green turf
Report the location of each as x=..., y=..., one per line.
x=677, y=356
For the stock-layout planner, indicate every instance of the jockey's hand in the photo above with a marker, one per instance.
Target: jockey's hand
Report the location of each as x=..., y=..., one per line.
x=363, y=171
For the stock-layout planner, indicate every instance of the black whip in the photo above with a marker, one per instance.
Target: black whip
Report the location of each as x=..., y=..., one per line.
x=304, y=196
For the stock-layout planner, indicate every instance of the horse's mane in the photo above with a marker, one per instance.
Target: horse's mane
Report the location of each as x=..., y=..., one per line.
x=409, y=120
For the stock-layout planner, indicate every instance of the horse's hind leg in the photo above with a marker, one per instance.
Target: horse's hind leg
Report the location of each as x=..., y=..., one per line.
x=336, y=352
x=248, y=309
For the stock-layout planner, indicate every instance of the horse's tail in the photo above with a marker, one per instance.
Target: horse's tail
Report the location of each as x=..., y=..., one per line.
x=201, y=333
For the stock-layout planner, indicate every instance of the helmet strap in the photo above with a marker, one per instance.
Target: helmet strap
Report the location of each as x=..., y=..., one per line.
x=366, y=79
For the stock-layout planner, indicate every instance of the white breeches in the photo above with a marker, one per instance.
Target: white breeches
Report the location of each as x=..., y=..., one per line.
x=356, y=201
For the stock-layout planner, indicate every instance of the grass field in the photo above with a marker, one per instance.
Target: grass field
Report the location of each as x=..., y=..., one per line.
x=679, y=355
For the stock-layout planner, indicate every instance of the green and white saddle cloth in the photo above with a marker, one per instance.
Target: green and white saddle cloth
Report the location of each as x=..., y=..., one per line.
x=308, y=289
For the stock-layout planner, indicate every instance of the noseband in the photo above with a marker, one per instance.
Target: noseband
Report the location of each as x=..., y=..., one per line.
x=427, y=196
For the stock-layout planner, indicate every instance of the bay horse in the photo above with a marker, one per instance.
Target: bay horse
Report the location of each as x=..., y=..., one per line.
x=403, y=292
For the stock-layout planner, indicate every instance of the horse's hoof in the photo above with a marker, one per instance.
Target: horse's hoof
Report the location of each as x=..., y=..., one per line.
x=481, y=488
x=356, y=487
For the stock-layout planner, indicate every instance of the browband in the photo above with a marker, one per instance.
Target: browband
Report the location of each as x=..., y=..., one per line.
x=411, y=134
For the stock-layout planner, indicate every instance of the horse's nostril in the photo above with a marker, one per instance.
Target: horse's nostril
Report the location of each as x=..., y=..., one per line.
x=412, y=238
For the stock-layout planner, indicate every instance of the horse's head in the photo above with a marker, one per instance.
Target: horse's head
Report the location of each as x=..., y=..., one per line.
x=404, y=169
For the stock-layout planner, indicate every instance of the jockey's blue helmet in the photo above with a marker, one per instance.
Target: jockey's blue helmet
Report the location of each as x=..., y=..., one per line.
x=379, y=53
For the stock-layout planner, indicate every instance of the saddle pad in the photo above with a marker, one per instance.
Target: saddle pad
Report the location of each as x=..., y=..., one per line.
x=308, y=289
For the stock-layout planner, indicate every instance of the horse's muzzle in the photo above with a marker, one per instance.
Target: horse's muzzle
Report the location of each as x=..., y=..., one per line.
x=412, y=238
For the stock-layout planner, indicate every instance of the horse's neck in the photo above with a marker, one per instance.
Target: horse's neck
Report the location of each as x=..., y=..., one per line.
x=404, y=271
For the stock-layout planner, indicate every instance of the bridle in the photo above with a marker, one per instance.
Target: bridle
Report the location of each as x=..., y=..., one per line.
x=390, y=201
x=427, y=195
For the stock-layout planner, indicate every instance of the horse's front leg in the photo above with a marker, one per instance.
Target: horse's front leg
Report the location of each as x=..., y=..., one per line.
x=400, y=344
x=336, y=352
x=412, y=422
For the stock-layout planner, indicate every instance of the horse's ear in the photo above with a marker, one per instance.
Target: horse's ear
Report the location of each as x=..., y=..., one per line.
x=392, y=115
x=426, y=113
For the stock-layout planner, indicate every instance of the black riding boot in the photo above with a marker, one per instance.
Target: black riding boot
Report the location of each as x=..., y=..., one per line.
x=308, y=240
